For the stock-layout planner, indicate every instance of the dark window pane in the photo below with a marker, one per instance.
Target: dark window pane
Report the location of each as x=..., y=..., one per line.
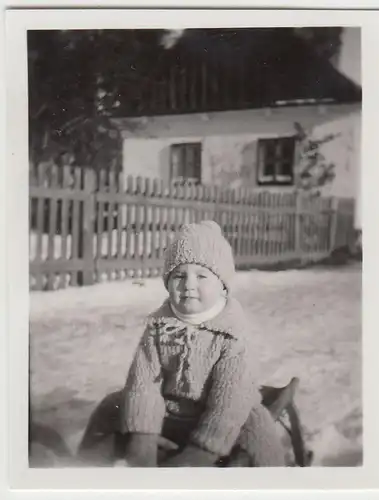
x=269, y=148
x=275, y=160
x=189, y=160
x=288, y=149
x=186, y=161
x=269, y=169
x=197, y=162
x=285, y=168
x=176, y=162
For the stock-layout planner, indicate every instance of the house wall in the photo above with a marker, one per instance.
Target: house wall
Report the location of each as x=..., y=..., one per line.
x=229, y=142
x=344, y=152
x=226, y=160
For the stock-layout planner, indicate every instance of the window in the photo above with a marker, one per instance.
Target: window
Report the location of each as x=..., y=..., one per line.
x=276, y=160
x=185, y=162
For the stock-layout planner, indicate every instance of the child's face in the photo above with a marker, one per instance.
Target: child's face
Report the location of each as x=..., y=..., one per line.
x=194, y=288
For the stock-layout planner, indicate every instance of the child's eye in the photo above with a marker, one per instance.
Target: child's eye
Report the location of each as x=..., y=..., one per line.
x=202, y=276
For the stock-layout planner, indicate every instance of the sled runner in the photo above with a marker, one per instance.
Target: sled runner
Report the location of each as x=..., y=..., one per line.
x=46, y=447
x=102, y=442
x=280, y=402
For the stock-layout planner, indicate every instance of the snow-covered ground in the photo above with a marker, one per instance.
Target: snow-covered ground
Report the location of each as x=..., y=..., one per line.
x=305, y=323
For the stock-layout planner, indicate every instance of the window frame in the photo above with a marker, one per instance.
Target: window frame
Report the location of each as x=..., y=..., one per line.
x=183, y=148
x=278, y=159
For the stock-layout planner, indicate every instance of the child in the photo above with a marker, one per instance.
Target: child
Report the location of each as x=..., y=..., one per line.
x=192, y=377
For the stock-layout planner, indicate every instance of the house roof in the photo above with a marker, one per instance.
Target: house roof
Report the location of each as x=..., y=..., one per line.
x=229, y=69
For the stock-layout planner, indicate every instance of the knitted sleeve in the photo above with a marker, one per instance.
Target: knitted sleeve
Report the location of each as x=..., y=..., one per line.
x=143, y=404
x=261, y=439
x=231, y=397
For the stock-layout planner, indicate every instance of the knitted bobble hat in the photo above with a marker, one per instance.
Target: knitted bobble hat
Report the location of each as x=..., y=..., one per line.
x=203, y=244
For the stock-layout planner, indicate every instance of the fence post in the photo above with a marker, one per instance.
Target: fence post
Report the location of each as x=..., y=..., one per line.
x=333, y=224
x=298, y=225
x=87, y=228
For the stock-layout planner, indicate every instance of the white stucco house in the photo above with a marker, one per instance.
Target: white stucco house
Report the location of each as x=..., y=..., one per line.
x=220, y=109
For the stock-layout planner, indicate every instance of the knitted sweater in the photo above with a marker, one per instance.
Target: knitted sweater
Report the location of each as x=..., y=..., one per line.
x=200, y=375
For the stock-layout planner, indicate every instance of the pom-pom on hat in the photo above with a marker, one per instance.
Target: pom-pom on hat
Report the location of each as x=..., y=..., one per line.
x=202, y=243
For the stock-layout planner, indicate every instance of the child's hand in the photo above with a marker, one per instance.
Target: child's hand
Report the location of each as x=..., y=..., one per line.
x=166, y=444
x=191, y=456
x=166, y=448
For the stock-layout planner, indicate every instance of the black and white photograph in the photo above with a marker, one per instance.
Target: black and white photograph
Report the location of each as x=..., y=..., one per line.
x=195, y=247
x=195, y=258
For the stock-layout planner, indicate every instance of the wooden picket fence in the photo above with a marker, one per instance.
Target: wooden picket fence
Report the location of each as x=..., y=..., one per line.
x=87, y=227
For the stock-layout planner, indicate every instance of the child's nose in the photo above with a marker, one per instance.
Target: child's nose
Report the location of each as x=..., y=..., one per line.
x=190, y=283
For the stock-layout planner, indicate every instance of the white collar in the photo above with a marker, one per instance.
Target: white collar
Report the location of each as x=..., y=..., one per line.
x=198, y=318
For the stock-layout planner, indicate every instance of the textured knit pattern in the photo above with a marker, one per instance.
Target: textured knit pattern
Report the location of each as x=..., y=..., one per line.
x=259, y=439
x=142, y=450
x=200, y=380
x=202, y=244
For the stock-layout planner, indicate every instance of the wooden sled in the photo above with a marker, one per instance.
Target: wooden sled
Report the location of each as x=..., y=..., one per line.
x=102, y=442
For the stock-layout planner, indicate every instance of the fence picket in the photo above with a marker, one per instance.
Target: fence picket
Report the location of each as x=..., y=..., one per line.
x=75, y=236
x=40, y=227
x=147, y=243
x=280, y=222
x=110, y=221
x=87, y=228
x=286, y=225
x=52, y=229
x=293, y=222
x=299, y=224
x=119, y=227
x=334, y=227
x=129, y=221
x=99, y=217
x=260, y=223
x=159, y=234
x=317, y=221
x=275, y=219
x=271, y=233
x=155, y=221
x=138, y=225
x=248, y=222
x=277, y=210
x=65, y=215
x=239, y=224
